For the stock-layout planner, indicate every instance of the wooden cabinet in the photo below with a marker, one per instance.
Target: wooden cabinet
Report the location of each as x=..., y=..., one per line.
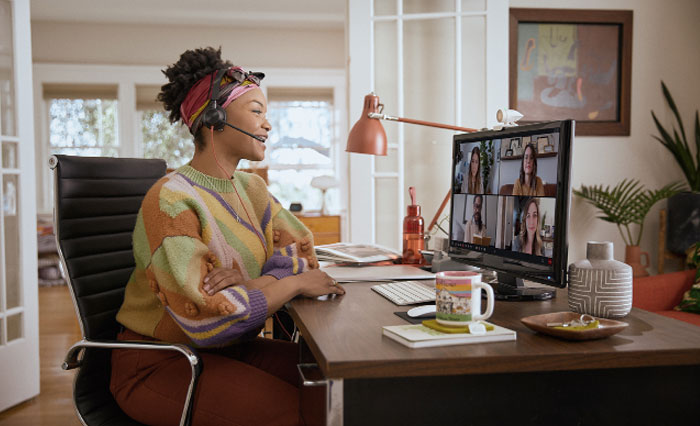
x=326, y=229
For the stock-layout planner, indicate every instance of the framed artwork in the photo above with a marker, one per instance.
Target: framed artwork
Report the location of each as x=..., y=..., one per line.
x=515, y=144
x=572, y=63
x=509, y=152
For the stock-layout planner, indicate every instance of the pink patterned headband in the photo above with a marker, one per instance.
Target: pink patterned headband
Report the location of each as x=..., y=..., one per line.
x=234, y=83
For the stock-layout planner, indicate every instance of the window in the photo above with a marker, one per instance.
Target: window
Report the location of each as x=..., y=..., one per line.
x=82, y=120
x=302, y=145
x=112, y=111
x=158, y=137
x=83, y=127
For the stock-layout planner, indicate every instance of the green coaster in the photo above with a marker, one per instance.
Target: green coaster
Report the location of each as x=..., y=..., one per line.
x=431, y=323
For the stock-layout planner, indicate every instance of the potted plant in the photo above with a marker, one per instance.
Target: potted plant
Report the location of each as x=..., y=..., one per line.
x=625, y=205
x=683, y=219
x=486, y=149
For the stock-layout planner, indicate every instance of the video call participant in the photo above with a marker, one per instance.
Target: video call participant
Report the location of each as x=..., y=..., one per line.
x=529, y=183
x=475, y=225
x=472, y=181
x=216, y=254
x=529, y=240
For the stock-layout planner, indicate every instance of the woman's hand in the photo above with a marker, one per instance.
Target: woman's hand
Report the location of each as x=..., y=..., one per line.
x=220, y=278
x=317, y=283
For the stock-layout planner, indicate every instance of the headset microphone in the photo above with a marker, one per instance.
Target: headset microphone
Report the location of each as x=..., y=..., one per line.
x=260, y=138
x=213, y=115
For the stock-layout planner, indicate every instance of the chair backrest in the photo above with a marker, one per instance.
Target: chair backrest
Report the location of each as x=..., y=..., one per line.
x=97, y=200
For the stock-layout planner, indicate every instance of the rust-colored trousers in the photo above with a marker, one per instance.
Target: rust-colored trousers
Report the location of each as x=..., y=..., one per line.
x=253, y=383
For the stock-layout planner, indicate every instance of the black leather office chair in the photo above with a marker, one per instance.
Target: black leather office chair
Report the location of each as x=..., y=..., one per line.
x=96, y=204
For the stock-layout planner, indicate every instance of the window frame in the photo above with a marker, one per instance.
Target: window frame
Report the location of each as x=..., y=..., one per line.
x=127, y=78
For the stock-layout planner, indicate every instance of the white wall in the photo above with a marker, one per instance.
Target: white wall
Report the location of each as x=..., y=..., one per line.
x=135, y=44
x=664, y=47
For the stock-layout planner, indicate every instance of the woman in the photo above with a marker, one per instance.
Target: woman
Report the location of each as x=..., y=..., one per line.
x=529, y=240
x=472, y=182
x=216, y=255
x=529, y=183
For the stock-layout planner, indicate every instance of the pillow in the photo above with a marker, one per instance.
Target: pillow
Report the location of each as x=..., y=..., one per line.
x=691, y=298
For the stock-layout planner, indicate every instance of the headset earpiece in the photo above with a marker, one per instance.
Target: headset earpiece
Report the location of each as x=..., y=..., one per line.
x=215, y=116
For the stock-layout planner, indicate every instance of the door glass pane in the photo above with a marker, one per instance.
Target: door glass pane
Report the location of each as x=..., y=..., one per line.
x=386, y=86
x=14, y=327
x=12, y=266
x=429, y=95
x=9, y=155
x=388, y=162
x=422, y=6
x=384, y=7
x=473, y=5
x=387, y=211
x=8, y=116
x=474, y=72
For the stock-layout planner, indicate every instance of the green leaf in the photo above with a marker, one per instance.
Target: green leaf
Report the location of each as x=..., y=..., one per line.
x=677, y=143
x=672, y=105
x=626, y=203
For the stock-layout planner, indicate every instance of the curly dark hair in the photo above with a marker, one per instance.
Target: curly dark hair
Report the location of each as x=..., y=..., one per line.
x=182, y=75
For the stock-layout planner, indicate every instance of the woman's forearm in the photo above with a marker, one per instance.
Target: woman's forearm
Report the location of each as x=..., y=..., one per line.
x=279, y=292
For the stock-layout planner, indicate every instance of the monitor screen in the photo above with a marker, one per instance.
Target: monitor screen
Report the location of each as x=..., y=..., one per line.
x=510, y=201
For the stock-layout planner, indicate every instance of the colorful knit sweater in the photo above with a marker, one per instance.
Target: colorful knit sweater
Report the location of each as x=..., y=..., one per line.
x=190, y=223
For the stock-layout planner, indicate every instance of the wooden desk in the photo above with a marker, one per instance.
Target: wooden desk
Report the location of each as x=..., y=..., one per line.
x=646, y=374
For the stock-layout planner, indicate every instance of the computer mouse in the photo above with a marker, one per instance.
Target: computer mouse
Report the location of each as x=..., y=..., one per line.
x=422, y=311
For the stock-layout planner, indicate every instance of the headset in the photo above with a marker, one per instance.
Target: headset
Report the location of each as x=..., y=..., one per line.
x=214, y=115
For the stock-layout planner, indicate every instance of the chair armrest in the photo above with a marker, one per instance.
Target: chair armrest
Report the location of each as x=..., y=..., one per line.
x=72, y=361
x=661, y=292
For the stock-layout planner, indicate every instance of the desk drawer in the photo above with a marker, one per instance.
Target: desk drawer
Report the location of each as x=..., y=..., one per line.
x=326, y=229
x=321, y=223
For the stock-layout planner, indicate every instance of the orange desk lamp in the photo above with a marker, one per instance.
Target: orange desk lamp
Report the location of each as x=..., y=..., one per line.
x=368, y=136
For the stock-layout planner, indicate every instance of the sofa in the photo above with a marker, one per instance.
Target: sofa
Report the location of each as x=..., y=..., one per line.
x=661, y=293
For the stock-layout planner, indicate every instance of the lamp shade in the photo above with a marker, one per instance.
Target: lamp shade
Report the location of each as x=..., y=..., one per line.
x=367, y=135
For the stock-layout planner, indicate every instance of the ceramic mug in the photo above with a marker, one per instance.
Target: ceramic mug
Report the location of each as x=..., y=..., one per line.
x=458, y=298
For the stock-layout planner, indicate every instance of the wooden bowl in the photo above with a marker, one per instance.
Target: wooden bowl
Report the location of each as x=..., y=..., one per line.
x=539, y=323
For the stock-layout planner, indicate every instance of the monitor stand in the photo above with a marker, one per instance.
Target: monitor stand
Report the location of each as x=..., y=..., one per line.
x=510, y=287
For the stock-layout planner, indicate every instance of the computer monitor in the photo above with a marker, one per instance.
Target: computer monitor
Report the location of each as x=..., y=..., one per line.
x=513, y=219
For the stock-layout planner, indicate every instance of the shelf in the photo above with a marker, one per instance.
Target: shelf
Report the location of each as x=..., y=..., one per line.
x=540, y=155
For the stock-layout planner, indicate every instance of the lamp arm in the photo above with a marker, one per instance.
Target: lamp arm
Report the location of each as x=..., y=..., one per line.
x=379, y=116
x=439, y=211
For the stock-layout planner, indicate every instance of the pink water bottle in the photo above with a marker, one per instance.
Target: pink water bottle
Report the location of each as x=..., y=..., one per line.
x=413, y=241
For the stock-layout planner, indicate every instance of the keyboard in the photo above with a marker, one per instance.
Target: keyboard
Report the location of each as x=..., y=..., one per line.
x=406, y=292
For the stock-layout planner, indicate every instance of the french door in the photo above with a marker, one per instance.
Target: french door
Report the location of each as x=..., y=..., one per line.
x=444, y=61
x=19, y=329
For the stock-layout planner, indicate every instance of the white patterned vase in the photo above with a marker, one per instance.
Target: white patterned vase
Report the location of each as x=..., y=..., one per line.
x=600, y=285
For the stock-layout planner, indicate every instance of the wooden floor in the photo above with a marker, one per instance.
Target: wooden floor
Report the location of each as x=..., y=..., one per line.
x=58, y=330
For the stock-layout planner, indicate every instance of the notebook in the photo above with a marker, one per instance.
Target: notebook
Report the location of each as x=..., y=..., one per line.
x=420, y=336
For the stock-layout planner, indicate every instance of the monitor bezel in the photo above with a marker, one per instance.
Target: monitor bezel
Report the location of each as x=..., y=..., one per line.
x=558, y=275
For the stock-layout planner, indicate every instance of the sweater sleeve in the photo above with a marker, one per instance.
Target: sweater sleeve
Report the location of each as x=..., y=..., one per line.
x=177, y=259
x=293, y=251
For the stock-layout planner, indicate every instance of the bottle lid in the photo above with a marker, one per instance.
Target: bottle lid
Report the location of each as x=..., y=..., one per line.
x=413, y=210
